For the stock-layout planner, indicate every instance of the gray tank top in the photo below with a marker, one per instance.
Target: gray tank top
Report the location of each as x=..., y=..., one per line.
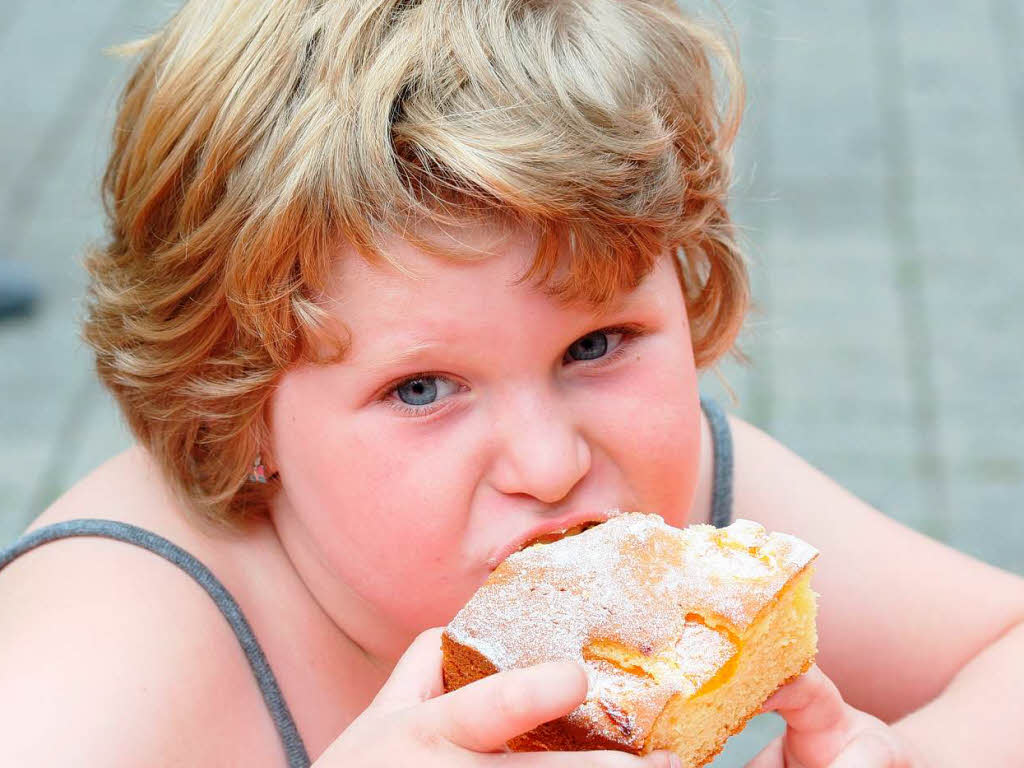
x=295, y=750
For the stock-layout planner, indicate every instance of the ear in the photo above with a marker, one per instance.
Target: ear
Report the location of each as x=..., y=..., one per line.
x=261, y=442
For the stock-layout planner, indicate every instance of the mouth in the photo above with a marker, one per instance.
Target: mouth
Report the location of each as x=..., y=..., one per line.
x=551, y=531
x=565, y=533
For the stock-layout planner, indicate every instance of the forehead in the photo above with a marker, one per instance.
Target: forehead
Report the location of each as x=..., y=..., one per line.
x=444, y=298
x=433, y=283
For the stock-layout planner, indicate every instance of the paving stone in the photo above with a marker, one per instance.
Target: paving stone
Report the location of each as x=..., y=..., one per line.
x=28, y=48
x=988, y=522
x=825, y=121
x=103, y=434
x=1007, y=18
x=744, y=746
x=49, y=201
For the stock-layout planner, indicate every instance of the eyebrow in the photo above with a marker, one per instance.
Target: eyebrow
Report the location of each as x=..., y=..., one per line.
x=413, y=349
x=410, y=351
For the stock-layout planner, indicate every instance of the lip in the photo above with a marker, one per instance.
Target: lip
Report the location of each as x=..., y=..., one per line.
x=552, y=525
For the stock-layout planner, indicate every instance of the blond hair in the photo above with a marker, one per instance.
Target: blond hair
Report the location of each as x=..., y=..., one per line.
x=255, y=135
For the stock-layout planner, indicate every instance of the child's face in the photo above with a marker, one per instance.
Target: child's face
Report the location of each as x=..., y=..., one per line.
x=517, y=416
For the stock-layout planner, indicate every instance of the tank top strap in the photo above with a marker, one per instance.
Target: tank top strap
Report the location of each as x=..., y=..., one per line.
x=721, y=495
x=294, y=748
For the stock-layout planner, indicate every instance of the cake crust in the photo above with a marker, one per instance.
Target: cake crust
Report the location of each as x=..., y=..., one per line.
x=655, y=614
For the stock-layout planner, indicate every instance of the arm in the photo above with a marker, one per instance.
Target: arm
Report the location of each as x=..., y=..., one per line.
x=110, y=656
x=901, y=615
x=988, y=696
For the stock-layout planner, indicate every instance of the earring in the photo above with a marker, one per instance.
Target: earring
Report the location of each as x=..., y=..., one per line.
x=258, y=473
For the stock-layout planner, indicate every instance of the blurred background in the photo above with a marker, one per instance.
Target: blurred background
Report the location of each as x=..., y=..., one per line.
x=878, y=189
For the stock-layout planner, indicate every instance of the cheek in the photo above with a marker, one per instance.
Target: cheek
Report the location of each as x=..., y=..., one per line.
x=654, y=434
x=386, y=521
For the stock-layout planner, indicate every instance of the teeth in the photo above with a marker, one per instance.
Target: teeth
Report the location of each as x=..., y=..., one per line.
x=548, y=538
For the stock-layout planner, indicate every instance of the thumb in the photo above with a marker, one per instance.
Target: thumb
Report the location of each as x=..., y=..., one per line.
x=485, y=714
x=417, y=675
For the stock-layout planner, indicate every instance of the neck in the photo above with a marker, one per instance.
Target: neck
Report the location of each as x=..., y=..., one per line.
x=347, y=623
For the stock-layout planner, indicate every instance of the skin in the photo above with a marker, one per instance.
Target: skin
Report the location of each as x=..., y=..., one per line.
x=386, y=523
x=515, y=435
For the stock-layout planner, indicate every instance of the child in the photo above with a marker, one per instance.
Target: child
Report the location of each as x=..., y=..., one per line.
x=390, y=288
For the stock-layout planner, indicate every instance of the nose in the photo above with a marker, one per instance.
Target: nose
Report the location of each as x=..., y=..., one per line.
x=541, y=451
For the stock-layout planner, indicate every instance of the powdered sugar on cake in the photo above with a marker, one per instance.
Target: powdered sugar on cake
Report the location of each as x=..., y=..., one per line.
x=625, y=587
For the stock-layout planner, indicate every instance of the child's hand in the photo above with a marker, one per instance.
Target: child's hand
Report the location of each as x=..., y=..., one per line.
x=411, y=722
x=823, y=730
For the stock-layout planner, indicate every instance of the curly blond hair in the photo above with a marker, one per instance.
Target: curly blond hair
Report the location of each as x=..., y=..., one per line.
x=255, y=135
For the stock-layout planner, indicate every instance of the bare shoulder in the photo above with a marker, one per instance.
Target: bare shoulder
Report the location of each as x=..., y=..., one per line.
x=887, y=591
x=122, y=649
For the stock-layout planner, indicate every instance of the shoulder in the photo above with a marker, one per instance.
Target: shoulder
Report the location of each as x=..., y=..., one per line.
x=886, y=589
x=121, y=648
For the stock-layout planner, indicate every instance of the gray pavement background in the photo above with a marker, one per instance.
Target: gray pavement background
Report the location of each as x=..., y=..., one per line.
x=879, y=193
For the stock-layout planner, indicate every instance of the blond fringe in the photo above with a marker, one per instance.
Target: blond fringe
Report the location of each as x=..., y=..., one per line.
x=255, y=135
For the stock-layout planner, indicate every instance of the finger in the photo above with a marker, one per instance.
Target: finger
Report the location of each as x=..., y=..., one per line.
x=810, y=703
x=483, y=715
x=417, y=675
x=589, y=759
x=871, y=749
x=769, y=757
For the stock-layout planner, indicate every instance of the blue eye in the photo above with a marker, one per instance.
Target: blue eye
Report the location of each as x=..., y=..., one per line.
x=422, y=390
x=420, y=395
x=590, y=347
x=417, y=391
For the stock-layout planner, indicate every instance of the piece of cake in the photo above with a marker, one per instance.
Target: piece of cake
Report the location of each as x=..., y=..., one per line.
x=683, y=632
